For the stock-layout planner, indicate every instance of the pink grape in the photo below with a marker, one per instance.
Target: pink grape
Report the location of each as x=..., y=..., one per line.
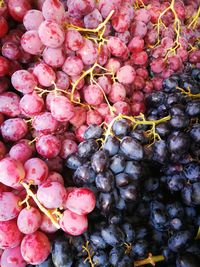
x=124, y=36
x=54, y=57
x=136, y=44
x=31, y=42
x=73, y=66
x=113, y=65
x=48, y=146
x=61, y=108
x=62, y=80
x=80, y=7
x=103, y=55
x=53, y=10
x=93, y=19
x=106, y=7
x=29, y=220
x=103, y=109
x=18, y=8
x=68, y=147
x=33, y=19
x=117, y=92
x=105, y=83
x=36, y=170
x=12, y=172
x=47, y=226
x=45, y=74
x=35, y=248
x=21, y=151
x=138, y=28
x=121, y=107
x=45, y=123
x=93, y=95
x=80, y=201
x=31, y=104
x=4, y=66
x=12, y=257
x=73, y=40
x=3, y=150
x=14, y=129
x=9, y=104
x=93, y=117
x=10, y=234
x=55, y=164
x=23, y=81
x=51, y=194
x=116, y=47
x=88, y=53
x=73, y=223
x=10, y=51
x=80, y=132
x=121, y=22
x=9, y=206
x=51, y=34
x=79, y=117
x=139, y=58
x=157, y=65
x=55, y=177
x=81, y=82
x=126, y=74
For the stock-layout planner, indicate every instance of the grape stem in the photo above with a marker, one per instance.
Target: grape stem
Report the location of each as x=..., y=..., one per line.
x=2, y=3
x=40, y=206
x=194, y=21
x=150, y=260
x=177, y=29
x=89, y=254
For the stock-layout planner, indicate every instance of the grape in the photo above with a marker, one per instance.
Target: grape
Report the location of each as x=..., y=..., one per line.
x=4, y=66
x=55, y=164
x=124, y=36
x=21, y=151
x=55, y=177
x=9, y=206
x=3, y=26
x=53, y=10
x=80, y=201
x=136, y=44
x=51, y=34
x=61, y=108
x=62, y=80
x=29, y=220
x=54, y=57
x=139, y=58
x=51, y=194
x=117, y=92
x=35, y=248
x=93, y=19
x=80, y=132
x=73, y=66
x=142, y=15
x=106, y=7
x=138, y=28
x=45, y=74
x=47, y=226
x=33, y=19
x=10, y=234
x=79, y=117
x=126, y=74
x=93, y=117
x=12, y=172
x=93, y=95
x=48, y=146
x=103, y=55
x=105, y=83
x=14, y=129
x=68, y=147
x=18, y=8
x=31, y=42
x=31, y=104
x=10, y=51
x=138, y=108
x=121, y=22
x=4, y=84
x=36, y=170
x=73, y=223
x=45, y=123
x=113, y=65
x=80, y=7
x=88, y=52
x=116, y=47
x=157, y=65
x=3, y=150
x=122, y=107
x=73, y=40
x=12, y=257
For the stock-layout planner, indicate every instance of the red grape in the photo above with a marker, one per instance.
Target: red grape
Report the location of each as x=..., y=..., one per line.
x=31, y=104
x=88, y=52
x=55, y=177
x=73, y=66
x=47, y=226
x=53, y=10
x=21, y=151
x=10, y=51
x=45, y=123
x=116, y=47
x=3, y=26
x=33, y=19
x=117, y=92
x=45, y=74
x=73, y=223
x=35, y=248
x=9, y=206
x=18, y=8
x=54, y=57
x=48, y=146
x=31, y=42
x=36, y=170
x=12, y=257
x=73, y=40
x=68, y=147
x=126, y=74
x=4, y=66
x=93, y=95
x=14, y=129
x=9, y=104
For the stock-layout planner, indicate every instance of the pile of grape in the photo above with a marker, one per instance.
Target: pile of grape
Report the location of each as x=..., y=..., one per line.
x=99, y=133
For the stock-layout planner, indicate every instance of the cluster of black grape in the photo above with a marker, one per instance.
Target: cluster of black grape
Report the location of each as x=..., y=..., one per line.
x=148, y=194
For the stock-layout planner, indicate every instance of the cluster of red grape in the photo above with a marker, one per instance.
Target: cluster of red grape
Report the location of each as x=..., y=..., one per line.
x=47, y=207
x=65, y=65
